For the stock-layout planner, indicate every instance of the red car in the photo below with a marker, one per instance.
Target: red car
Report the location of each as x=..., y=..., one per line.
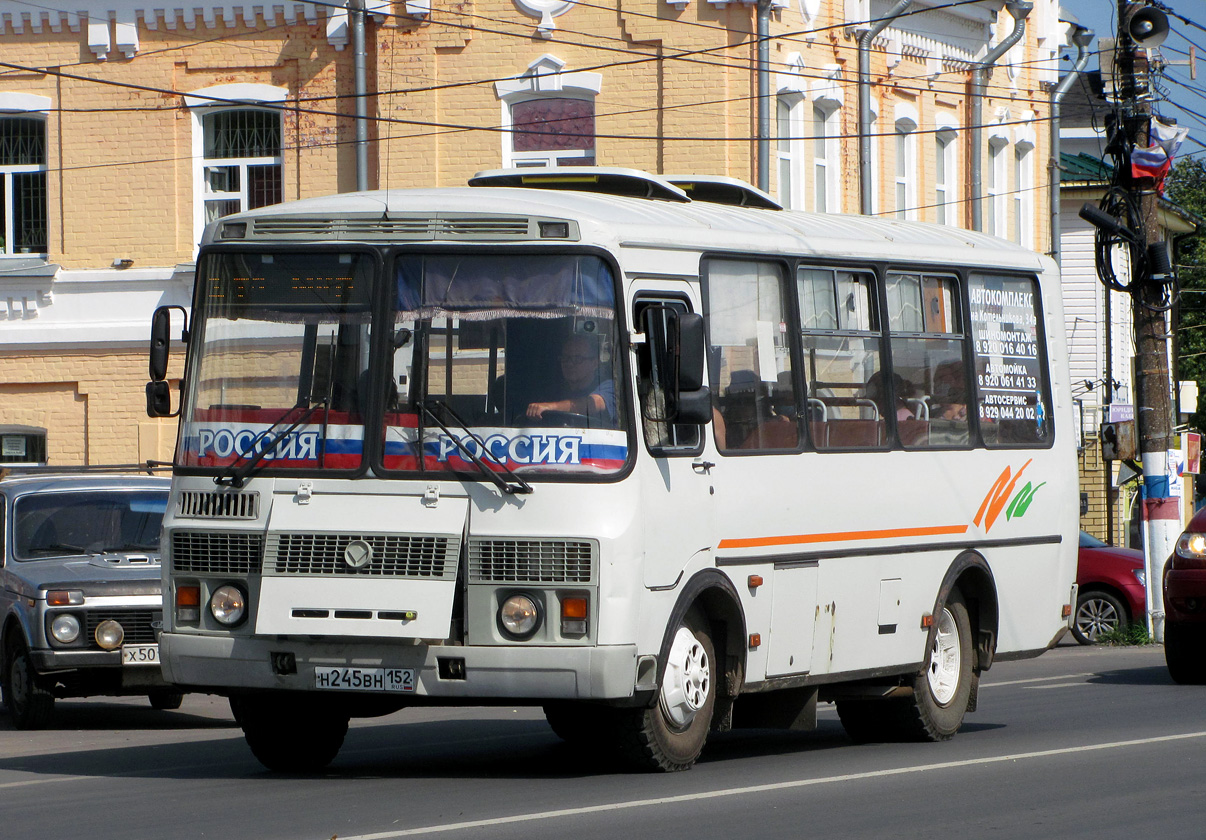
x=1111, y=589
x=1185, y=605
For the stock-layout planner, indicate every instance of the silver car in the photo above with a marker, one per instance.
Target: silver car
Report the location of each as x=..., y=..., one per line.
x=81, y=604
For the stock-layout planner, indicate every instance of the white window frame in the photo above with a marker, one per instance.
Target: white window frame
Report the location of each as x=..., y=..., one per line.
x=1023, y=187
x=23, y=106
x=211, y=100
x=946, y=173
x=789, y=149
x=544, y=79
x=825, y=119
x=995, y=188
x=905, y=161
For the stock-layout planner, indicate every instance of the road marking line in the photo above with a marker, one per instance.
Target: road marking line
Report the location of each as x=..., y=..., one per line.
x=1056, y=685
x=1038, y=679
x=777, y=786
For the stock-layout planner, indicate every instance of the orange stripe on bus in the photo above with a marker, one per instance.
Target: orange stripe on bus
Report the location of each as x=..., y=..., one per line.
x=841, y=536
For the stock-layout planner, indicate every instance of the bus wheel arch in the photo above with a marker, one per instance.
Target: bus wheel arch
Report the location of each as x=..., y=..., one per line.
x=971, y=576
x=711, y=594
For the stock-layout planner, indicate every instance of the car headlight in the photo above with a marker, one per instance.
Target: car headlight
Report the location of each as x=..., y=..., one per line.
x=65, y=628
x=1140, y=575
x=109, y=634
x=519, y=616
x=1192, y=546
x=228, y=605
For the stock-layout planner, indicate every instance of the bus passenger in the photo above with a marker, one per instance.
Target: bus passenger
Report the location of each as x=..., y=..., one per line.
x=586, y=388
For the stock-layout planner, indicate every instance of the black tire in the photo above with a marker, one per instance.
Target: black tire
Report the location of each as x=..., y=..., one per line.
x=166, y=701
x=1097, y=613
x=1184, y=653
x=289, y=736
x=670, y=735
x=29, y=704
x=941, y=692
x=869, y=721
x=579, y=724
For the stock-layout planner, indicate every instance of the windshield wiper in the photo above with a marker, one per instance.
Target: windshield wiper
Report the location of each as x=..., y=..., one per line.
x=236, y=476
x=515, y=485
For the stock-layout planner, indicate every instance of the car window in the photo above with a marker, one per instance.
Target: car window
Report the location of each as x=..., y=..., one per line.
x=87, y=522
x=1090, y=541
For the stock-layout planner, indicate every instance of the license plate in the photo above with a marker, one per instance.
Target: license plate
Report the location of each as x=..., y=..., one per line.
x=140, y=654
x=365, y=679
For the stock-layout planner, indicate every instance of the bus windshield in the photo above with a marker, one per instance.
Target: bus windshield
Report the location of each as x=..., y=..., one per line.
x=509, y=360
x=279, y=337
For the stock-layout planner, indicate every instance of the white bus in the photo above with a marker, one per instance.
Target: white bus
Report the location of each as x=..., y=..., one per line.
x=651, y=453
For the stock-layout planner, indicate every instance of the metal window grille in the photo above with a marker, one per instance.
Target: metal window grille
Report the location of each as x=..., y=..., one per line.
x=22, y=141
x=242, y=133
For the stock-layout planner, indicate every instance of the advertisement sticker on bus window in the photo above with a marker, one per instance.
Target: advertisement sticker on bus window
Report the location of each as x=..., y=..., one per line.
x=219, y=444
x=556, y=450
x=1004, y=317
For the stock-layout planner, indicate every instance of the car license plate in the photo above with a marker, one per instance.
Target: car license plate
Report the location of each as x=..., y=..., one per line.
x=365, y=679
x=140, y=654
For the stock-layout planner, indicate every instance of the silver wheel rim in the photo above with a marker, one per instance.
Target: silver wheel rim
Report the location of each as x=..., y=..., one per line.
x=18, y=681
x=1095, y=618
x=946, y=659
x=688, y=679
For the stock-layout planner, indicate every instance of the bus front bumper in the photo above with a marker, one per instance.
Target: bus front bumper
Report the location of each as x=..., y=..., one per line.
x=486, y=673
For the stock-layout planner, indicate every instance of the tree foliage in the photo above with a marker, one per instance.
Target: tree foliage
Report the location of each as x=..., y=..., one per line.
x=1186, y=187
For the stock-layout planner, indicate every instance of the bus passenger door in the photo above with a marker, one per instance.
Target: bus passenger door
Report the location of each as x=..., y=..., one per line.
x=675, y=469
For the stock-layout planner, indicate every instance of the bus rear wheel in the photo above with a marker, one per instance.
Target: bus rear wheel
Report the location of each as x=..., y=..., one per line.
x=288, y=736
x=670, y=735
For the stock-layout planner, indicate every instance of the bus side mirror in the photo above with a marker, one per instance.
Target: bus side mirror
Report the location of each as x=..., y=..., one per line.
x=159, y=399
x=161, y=339
x=159, y=402
x=676, y=343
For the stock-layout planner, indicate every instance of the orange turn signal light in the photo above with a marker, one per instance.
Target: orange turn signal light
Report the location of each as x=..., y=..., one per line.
x=755, y=640
x=1067, y=610
x=64, y=598
x=188, y=596
x=573, y=608
x=927, y=621
x=754, y=581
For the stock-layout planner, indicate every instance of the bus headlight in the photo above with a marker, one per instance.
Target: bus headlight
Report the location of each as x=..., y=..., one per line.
x=519, y=616
x=65, y=628
x=228, y=605
x=109, y=634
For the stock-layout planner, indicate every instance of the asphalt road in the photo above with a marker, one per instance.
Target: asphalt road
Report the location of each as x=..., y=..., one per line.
x=1082, y=742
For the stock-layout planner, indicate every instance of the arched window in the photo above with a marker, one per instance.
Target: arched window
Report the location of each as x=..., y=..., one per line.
x=23, y=179
x=241, y=160
x=946, y=173
x=787, y=149
x=906, y=167
x=548, y=116
x=238, y=151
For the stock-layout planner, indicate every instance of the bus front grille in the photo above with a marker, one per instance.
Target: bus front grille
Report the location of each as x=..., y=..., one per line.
x=217, y=552
x=219, y=505
x=531, y=561
x=391, y=555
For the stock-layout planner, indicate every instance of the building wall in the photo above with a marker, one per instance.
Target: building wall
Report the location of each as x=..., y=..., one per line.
x=676, y=94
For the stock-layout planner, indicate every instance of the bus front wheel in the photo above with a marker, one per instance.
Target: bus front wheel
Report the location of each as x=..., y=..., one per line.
x=670, y=735
x=941, y=692
x=288, y=736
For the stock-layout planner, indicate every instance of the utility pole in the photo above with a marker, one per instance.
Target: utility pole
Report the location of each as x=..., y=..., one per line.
x=1137, y=23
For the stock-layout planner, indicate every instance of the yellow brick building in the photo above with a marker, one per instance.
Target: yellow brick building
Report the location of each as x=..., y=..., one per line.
x=124, y=128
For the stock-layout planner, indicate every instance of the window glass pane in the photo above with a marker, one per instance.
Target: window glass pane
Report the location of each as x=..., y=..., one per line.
x=222, y=179
x=263, y=185
x=652, y=316
x=752, y=385
x=842, y=367
x=22, y=141
x=1012, y=404
x=242, y=133
x=29, y=212
x=818, y=306
x=218, y=209
x=904, y=302
x=553, y=124
x=783, y=124
x=87, y=522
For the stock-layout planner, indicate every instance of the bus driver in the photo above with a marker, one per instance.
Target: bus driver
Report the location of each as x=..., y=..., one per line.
x=588, y=391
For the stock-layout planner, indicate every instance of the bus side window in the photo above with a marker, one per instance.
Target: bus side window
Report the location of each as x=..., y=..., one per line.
x=662, y=437
x=753, y=386
x=848, y=400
